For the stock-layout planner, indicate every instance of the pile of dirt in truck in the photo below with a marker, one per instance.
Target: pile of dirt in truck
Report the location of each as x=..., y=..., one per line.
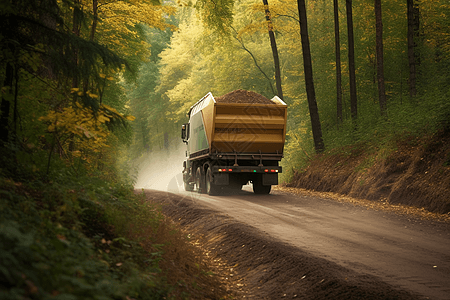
x=243, y=96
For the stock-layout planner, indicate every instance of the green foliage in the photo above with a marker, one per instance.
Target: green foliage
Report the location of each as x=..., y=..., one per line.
x=70, y=226
x=426, y=116
x=45, y=255
x=63, y=53
x=147, y=103
x=216, y=14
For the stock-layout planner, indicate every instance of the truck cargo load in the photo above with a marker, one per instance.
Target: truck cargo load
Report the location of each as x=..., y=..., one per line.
x=232, y=140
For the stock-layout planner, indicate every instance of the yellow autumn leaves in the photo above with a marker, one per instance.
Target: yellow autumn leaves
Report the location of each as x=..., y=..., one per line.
x=80, y=126
x=117, y=24
x=80, y=93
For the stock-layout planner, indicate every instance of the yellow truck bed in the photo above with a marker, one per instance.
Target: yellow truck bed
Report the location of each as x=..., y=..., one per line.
x=243, y=127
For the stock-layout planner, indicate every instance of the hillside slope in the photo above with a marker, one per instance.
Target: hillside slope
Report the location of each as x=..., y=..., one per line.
x=415, y=172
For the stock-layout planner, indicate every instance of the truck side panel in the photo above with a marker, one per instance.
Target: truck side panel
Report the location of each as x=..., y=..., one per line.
x=249, y=128
x=237, y=127
x=198, y=141
x=209, y=114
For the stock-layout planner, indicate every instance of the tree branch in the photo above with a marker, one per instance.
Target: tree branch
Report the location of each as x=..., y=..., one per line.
x=254, y=60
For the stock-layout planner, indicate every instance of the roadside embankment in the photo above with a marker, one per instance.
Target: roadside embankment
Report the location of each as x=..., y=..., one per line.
x=416, y=172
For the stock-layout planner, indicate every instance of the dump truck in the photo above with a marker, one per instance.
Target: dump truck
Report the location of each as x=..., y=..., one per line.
x=233, y=142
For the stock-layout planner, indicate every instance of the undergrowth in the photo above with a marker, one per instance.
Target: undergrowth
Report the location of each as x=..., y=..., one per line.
x=407, y=119
x=64, y=241
x=81, y=237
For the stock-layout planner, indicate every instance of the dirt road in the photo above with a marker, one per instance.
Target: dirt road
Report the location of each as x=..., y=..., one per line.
x=286, y=245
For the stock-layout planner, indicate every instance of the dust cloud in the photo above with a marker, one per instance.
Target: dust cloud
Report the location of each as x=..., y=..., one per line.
x=161, y=170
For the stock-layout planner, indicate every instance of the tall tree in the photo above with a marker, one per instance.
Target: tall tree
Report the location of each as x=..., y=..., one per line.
x=380, y=58
x=351, y=61
x=309, y=81
x=13, y=39
x=337, y=44
x=273, y=44
x=6, y=103
x=411, y=47
x=76, y=28
x=94, y=19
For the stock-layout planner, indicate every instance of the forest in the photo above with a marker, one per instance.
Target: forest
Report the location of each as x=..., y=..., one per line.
x=90, y=89
x=355, y=100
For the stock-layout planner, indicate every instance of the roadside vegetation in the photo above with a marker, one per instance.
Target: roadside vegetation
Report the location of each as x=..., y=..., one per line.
x=71, y=226
x=65, y=240
x=84, y=237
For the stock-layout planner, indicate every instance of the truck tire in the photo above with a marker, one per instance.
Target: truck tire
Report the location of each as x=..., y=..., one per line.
x=211, y=188
x=199, y=181
x=235, y=187
x=262, y=189
x=188, y=187
x=259, y=188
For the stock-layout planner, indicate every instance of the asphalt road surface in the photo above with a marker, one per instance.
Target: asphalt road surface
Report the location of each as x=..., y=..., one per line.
x=401, y=250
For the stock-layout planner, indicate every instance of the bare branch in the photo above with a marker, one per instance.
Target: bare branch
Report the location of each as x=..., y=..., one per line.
x=254, y=59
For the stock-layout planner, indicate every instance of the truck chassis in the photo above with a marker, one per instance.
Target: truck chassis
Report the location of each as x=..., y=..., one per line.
x=213, y=173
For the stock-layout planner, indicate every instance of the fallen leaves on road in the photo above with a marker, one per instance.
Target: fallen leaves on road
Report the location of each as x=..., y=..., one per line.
x=382, y=204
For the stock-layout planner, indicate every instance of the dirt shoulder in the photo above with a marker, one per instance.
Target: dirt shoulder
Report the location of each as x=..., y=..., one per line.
x=415, y=173
x=252, y=265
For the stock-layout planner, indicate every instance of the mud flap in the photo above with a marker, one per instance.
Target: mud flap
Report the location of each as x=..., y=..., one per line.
x=221, y=179
x=269, y=179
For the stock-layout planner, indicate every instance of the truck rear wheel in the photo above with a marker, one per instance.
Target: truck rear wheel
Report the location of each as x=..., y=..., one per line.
x=235, y=187
x=188, y=187
x=262, y=189
x=259, y=188
x=211, y=188
x=199, y=180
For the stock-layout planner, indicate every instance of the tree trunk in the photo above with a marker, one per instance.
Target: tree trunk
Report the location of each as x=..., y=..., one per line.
x=48, y=17
x=351, y=62
x=411, y=47
x=309, y=82
x=338, y=64
x=76, y=31
x=380, y=58
x=273, y=44
x=166, y=140
x=95, y=19
x=8, y=31
x=91, y=38
x=6, y=104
